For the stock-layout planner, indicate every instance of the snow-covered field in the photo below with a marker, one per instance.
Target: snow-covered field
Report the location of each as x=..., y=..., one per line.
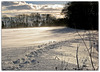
x=48, y=48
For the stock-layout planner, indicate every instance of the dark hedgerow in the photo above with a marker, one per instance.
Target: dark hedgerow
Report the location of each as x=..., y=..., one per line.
x=81, y=15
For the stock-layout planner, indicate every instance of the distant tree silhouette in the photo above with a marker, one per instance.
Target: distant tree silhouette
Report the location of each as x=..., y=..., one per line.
x=5, y=19
x=82, y=15
x=2, y=24
x=60, y=22
x=28, y=20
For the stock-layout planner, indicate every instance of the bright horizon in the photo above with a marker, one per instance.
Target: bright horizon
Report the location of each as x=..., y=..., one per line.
x=12, y=8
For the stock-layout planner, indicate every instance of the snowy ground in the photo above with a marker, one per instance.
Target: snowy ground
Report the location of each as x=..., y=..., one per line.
x=47, y=48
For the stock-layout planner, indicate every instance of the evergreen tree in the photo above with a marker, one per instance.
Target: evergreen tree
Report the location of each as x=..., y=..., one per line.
x=82, y=15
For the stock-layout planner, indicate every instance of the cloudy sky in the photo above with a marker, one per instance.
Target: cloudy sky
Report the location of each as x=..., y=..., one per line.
x=11, y=8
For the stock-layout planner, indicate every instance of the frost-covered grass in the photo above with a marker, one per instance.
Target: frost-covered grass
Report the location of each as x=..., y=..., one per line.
x=47, y=48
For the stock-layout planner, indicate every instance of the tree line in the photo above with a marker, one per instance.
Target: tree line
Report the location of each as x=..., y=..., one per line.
x=31, y=20
x=80, y=15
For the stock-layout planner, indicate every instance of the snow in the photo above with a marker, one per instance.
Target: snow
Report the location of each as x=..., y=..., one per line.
x=47, y=48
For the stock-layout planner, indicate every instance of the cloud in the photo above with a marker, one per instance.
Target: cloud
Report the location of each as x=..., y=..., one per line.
x=23, y=5
x=9, y=3
x=14, y=8
x=46, y=2
x=55, y=7
x=48, y=9
x=20, y=7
